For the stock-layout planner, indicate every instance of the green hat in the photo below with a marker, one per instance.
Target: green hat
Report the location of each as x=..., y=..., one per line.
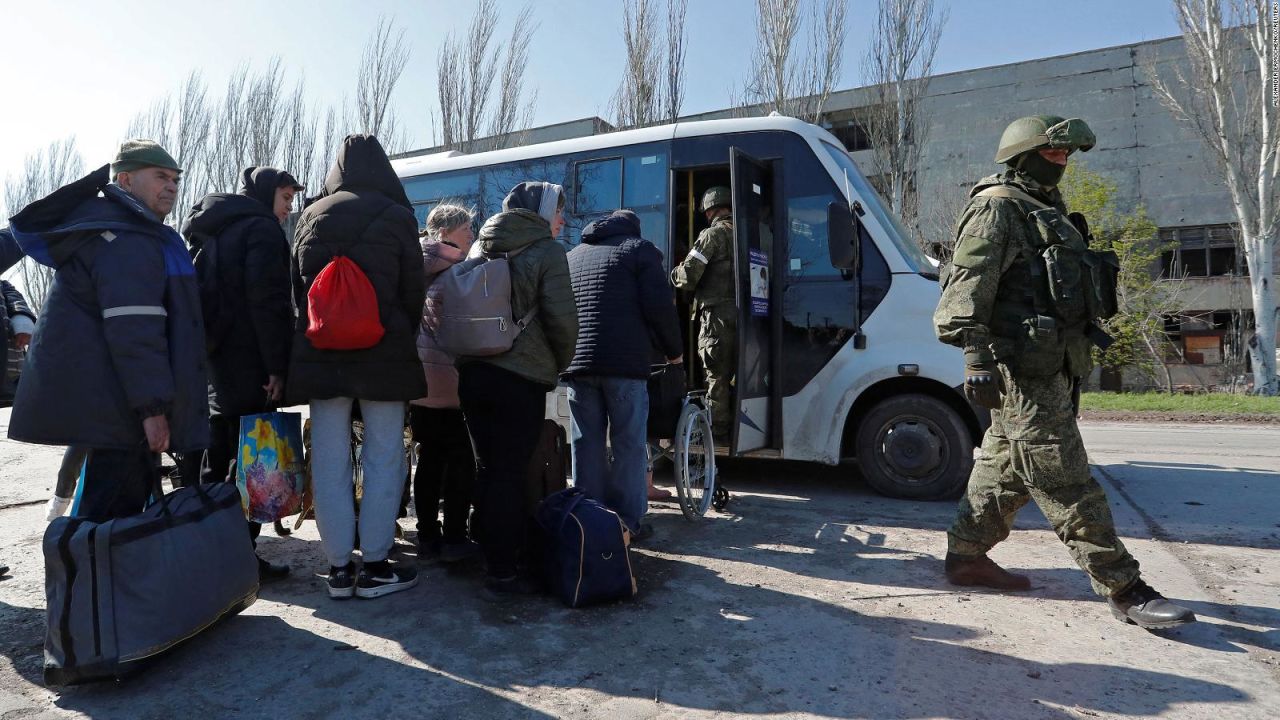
x=718, y=196
x=135, y=154
x=1044, y=131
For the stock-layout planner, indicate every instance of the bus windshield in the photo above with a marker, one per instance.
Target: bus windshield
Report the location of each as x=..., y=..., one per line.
x=911, y=252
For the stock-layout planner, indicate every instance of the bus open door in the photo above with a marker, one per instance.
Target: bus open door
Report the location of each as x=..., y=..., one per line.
x=753, y=261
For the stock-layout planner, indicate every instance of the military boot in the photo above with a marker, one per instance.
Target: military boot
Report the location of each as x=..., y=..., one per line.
x=1146, y=608
x=980, y=570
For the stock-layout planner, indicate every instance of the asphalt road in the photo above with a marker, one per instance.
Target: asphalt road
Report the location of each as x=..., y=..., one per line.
x=809, y=597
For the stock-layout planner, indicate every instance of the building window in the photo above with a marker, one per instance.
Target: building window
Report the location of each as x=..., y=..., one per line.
x=1200, y=251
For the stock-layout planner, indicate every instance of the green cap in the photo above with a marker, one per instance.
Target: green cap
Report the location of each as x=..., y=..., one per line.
x=135, y=154
x=1044, y=131
x=718, y=196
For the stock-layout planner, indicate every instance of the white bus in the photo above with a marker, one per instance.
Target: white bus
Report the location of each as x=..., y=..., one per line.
x=837, y=357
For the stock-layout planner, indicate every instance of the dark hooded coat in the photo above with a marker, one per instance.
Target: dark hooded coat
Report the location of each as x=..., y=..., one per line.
x=120, y=337
x=362, y=214
x=12, y=304
x=242, y=263
x=626, y=307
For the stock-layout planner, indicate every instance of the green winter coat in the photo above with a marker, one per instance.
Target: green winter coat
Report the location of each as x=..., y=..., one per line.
x=539, y=277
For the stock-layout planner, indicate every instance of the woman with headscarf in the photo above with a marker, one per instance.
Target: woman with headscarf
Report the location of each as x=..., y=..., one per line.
x=504, y=396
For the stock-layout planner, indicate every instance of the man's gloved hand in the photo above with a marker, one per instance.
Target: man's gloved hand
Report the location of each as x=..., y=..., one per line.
x=982, y=381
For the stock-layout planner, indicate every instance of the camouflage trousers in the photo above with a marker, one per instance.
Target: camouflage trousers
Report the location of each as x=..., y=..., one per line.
x=1034, y=451
x=718, y=351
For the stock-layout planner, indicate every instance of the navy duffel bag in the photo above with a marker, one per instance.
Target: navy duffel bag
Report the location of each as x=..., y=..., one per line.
x=588, y=556
x=124, y=590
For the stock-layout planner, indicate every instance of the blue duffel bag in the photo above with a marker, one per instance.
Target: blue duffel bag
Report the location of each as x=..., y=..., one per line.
x=588, y=556
x=128, y=589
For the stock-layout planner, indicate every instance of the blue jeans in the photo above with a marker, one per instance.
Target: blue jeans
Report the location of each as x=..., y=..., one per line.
x=620, y=406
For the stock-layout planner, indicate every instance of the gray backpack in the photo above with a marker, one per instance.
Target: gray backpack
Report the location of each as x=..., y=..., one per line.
x=476, y=318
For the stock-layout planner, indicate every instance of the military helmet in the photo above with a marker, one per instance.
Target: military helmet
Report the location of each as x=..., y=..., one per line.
x=716, y=196
x=1044, y=131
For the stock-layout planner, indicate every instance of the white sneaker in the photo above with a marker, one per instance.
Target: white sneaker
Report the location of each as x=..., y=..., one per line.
x=56, y=508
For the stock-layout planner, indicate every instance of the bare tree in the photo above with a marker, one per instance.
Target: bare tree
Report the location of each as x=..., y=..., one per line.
x=897, y=65
x=1223, y=96
x=638, y=100
x=789, y=78
x=381, y=65
x=43, y=172
x=474, y=98
x=652, y=86
x=673, y=69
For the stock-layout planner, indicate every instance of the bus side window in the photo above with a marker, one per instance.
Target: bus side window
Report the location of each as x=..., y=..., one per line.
x=597, y=186
x=644, y=191
x=808, y=257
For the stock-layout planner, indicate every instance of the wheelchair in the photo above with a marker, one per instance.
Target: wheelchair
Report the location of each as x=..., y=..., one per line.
x=692, y=453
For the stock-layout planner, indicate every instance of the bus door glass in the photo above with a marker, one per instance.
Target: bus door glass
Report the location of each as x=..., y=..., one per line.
x=753, y=253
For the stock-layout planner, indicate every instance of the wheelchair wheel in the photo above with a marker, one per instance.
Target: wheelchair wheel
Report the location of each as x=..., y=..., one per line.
x=695, y=462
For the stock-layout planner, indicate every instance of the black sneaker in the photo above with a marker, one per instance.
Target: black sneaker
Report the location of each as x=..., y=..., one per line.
x=342, y=581
x=429, y=549
x=383, y=578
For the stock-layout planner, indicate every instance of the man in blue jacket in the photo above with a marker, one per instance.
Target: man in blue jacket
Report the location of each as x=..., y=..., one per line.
x=117, y=363
x=626, y=313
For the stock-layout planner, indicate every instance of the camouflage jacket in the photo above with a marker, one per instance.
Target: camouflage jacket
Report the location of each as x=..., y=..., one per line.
x=708, y=270
x=987, y=305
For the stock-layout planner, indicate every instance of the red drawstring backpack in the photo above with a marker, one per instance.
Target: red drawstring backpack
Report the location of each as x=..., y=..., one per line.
x=342, y=309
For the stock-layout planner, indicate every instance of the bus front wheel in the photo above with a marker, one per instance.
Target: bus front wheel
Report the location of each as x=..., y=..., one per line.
x=914, y=446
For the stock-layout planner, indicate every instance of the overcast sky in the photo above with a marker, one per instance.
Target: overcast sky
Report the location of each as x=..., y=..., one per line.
x=84, y=68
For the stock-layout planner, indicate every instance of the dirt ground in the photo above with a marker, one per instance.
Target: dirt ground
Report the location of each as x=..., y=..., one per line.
x=808, y=597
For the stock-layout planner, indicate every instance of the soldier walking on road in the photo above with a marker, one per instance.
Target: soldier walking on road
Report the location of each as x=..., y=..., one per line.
x=1021, y=297
x=708, y=273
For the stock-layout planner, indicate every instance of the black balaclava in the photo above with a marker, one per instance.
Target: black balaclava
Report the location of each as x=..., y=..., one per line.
x=1041, y=170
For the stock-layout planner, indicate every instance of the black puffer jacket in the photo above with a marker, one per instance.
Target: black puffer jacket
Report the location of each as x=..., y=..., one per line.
x=626, y=308
x=250, y=338
x=364, y=215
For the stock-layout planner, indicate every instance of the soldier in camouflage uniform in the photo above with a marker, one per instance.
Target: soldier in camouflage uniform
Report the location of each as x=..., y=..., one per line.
x=708, y=273
x=1021, y=298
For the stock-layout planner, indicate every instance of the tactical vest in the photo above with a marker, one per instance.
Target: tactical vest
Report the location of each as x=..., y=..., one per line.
x=1049, y=299
x=1068, y=281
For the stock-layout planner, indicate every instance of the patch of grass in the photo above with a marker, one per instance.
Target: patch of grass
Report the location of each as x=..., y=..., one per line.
x=1211, y=403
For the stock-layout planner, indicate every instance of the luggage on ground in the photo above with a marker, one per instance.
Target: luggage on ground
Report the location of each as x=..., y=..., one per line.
x=588, y=558
x=342, y=309
x=548, y=467
x=124, y=590
x=269, y=470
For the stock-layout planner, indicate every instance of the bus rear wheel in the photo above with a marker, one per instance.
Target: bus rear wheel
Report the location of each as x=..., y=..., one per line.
x=916, y=447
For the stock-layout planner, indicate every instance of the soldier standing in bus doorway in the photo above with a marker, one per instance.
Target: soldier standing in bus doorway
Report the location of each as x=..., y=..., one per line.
x=708, y=273
x=1021, y=297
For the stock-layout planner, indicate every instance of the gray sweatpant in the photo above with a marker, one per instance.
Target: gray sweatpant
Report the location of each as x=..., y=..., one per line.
x=382, y=458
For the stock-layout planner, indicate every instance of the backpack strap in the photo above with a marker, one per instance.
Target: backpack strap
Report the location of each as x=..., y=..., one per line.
x=1011, y=193
x=523, y=322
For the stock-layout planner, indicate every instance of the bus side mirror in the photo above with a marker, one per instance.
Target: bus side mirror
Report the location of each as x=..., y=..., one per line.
x=842, y=236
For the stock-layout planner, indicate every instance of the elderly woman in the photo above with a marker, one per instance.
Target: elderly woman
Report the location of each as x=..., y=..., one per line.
x=446, y=463
x=504, y=396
